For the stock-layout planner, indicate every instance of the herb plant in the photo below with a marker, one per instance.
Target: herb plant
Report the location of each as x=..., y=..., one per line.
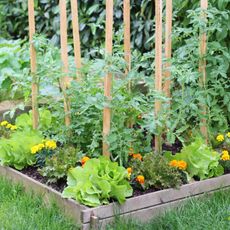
x=57, y=166
x=157, y=172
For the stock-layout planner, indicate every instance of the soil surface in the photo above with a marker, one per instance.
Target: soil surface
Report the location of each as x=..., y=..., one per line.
x=61, y=184
x=33, y=173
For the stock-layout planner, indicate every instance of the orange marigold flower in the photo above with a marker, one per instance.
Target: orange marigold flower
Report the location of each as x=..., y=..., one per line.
x=84, y=159
x=129, y=170
x=173, y=163
x=137, y=156
x=140, y=179
x=182, y=165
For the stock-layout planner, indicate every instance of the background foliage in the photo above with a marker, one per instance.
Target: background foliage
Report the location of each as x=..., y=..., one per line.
x=187, y=95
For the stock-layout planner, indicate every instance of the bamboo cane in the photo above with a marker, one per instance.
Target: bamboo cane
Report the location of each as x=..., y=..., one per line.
x=158, y=63
x=168, y=47
x=127, y=44
x=65, y=81
x=202, y=68
x=76, y=36
x=108, y=78
x=31, y=18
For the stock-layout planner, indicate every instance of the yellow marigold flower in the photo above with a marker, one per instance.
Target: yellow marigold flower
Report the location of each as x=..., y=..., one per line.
x=225, y=157
x=228, y=134
x=173, y=163
x=50, y=144
x=34, y=149
x=84, y=159
x=129, y=176
x=225, y=152
x=41, y=146
x=140, y=179
x=4, y=123
x=8, y=126
x=137, y=156
x=129, y=170
x=13, y=127
x=220, y=138
x=181, y=165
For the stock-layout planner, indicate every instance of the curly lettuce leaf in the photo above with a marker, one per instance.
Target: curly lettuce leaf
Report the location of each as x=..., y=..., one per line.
x=97, y=182
x=202, y=160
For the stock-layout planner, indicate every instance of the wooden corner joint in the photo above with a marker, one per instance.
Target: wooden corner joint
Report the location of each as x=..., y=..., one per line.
x=94, y=222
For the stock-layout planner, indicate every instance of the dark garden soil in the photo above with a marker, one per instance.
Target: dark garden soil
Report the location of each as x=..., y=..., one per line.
x=61, y=184
x=33, y=173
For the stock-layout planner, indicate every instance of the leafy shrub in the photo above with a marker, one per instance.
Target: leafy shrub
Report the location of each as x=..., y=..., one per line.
x=57, y=166
x=157, y=172
x=16, y=151
x=97, y=182
x=202, y=161
x=91, y=17
x=14, y=61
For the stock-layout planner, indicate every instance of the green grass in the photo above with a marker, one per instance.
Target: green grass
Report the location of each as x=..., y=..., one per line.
x=211, y=212
x=23, y=211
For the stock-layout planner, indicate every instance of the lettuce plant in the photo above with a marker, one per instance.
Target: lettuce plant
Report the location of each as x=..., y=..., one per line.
x=16, y=151
x=202, y=161
x=99, y=181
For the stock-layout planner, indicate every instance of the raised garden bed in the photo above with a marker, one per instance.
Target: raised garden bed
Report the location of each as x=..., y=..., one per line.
x=142, y=207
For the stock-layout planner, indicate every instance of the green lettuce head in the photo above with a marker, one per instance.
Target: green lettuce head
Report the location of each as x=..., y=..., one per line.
x=97, y=182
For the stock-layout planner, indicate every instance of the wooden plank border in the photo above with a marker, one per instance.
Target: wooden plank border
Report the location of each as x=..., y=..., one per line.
x=70, y=207
x=143, y=207
x=158, y=198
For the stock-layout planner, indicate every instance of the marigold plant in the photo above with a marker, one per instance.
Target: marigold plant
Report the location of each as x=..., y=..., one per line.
x=220, y=138
x=140, y=179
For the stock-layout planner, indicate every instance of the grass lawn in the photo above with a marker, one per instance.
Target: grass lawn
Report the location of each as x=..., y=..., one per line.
x=207, y=213
x=22, y=211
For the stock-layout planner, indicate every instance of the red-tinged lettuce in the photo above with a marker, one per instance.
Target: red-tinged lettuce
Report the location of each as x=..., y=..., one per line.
x=202, y=161
x=97, y=182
